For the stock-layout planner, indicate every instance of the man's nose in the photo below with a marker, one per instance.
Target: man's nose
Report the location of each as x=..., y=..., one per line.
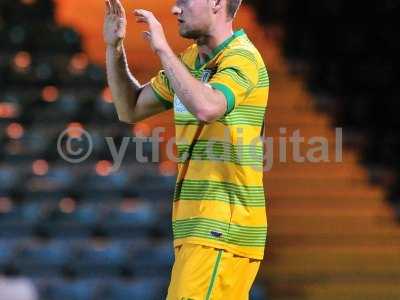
x=176, y=10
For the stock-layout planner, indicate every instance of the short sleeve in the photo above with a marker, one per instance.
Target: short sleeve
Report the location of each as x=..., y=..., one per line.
x=162, y=89
x=236, y=77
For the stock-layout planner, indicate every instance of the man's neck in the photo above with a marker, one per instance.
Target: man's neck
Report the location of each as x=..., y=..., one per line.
x=207, y=44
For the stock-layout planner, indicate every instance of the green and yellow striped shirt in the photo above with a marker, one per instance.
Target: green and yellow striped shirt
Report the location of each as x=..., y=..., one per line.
x=219, y=196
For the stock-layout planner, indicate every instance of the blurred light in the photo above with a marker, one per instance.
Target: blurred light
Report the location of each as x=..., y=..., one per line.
x=67, y=205
x=103, y=168
x=15, y=131
x=128, y=205
x=8, y=110
x=22, y=60
x=28, y=2
x=141, y=130
x=167, y=168
x=75, y=130
x=50, y=93
x=106, y=95
x=6, y=205
x=40, y=167
x=78, y=63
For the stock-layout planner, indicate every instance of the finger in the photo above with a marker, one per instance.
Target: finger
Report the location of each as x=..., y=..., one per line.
x=139, y=16
x=123, y=15
x=118, y=8
x=142, y=13
x=145, y=16
x=141, y=20
x=113, y=7
x=111, y=3
x=137, y=12
x=108, y=7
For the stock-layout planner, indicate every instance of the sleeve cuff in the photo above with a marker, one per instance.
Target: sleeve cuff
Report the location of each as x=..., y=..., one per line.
x=167, y=104
x=230, y=97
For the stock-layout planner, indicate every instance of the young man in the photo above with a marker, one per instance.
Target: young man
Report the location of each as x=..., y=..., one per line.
x=218, y=89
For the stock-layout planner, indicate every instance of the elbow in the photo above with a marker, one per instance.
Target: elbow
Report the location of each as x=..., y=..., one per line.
x=211, y=111
x=207, y=115
x=126, y=115
x=126, y=119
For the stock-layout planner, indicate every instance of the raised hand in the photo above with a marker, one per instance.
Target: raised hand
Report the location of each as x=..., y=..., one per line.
x=114, y=23
x=155, y=35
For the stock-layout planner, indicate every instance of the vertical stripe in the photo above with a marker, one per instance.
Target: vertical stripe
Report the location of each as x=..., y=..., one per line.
x=214, y=274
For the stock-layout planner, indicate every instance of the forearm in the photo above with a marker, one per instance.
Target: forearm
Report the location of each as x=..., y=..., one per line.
x=124, y=87
x=198, y=98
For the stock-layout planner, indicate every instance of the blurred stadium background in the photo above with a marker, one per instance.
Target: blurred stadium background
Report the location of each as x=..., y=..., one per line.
x=81, y=232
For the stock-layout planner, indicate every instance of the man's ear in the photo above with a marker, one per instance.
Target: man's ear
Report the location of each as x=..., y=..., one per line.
x=216, y=5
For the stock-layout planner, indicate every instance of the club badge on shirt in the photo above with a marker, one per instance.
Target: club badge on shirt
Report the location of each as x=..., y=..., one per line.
x=178, y=105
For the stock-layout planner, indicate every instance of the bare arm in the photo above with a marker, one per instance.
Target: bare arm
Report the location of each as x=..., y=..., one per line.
x=132, y=100
x=125, y=89
x=201, y=100
x=205, y=103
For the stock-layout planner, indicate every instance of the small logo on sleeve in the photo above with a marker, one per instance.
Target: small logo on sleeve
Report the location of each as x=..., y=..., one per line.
x=216, y=233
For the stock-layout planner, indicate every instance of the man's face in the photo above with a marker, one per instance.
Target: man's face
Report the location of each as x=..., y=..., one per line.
x=195, y=17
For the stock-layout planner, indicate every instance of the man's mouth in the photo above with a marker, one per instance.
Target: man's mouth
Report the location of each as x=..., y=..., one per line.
x=181, y=21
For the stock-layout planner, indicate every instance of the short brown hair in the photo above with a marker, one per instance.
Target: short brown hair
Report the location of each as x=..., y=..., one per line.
x=232, y=7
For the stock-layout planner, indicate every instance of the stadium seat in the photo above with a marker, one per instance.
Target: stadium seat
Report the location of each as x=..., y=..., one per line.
x=7, y=250
x=144, y=289
x=95, y=183
x=64, y=289
x=99, y=257
x=130, y=218
x=150, y=262
x=9, y=179
x=18, y=220
x=58, y=179
x=68, y=219
x=42, y=257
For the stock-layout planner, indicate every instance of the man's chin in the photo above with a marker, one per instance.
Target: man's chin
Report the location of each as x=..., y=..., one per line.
x=188, y=34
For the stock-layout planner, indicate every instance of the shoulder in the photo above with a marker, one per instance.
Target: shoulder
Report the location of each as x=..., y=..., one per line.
x=242, y=49
x=189, y=54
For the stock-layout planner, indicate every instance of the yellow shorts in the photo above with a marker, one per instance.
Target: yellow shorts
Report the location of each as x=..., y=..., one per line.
x=204, y=273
